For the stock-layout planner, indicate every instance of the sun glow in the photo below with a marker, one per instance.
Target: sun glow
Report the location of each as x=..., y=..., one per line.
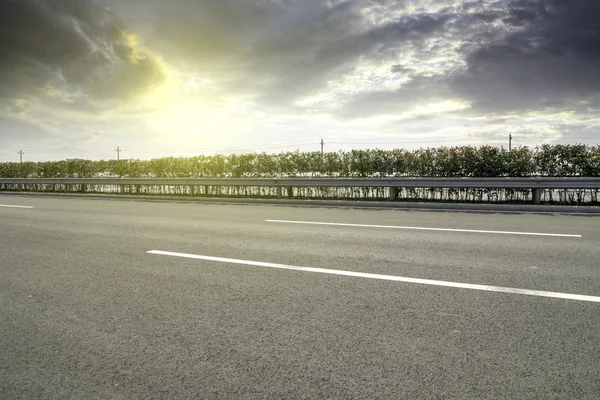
x=198, y=122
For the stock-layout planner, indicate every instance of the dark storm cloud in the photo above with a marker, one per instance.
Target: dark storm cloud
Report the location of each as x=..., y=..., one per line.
x=319, y=63
x=525, y=55
x=71, y=46
x=520, y=16
x=488, y=17
x=552, y=61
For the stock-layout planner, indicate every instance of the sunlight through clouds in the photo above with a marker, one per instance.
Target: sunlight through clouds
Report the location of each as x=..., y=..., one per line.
x=216, y=74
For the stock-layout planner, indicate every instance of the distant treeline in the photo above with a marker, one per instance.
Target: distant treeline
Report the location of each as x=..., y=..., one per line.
x=464, y=161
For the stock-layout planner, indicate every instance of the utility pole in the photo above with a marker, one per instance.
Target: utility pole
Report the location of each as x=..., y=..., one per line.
x=118, y=150
x=510, y=141
x=21, y=155
x=322, y=143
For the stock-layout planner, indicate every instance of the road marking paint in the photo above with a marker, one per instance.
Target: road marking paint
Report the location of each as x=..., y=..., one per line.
x=419, y=228
x=11, y=206
x=488, y=288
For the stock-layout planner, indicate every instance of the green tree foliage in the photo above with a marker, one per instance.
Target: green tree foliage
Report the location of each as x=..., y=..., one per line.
x=464, y=161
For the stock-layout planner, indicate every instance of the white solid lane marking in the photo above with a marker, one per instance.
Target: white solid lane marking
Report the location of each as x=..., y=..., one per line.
x=11, y=206
x=500, y=289
x=419, y=228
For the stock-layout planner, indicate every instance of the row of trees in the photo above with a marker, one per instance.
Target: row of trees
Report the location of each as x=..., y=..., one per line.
x=464, y=161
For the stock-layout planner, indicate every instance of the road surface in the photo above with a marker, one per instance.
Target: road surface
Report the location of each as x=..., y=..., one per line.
x=109, y=299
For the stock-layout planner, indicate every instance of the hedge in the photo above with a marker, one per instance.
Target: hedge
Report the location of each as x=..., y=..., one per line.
x=465, y=161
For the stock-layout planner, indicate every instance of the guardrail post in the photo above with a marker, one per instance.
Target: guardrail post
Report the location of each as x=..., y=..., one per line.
x=278, y=192
x=392, y=193
x=537, y=196
x=290, y=191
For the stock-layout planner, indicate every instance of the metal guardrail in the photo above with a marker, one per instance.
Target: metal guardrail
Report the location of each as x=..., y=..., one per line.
x=497, y=183
x=533, y=184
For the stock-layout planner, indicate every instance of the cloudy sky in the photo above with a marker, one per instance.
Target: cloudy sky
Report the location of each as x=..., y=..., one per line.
x=181, y=77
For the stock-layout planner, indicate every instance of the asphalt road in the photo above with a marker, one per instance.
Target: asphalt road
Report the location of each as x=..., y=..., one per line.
x=87, y=313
